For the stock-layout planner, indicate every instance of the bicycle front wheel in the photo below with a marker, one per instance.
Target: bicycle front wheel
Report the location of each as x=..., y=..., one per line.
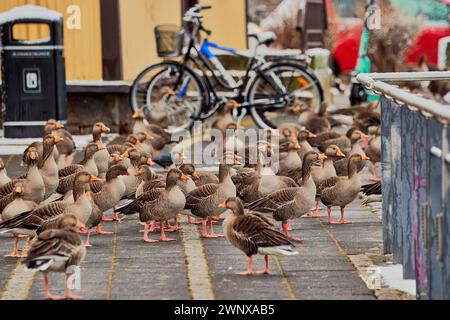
x=172, y=94
x=278, y=89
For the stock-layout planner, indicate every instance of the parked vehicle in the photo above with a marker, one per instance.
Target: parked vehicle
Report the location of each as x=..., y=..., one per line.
x=345, y=50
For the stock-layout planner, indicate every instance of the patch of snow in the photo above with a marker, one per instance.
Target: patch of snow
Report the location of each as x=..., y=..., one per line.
x=28, y=12
x=392, y=276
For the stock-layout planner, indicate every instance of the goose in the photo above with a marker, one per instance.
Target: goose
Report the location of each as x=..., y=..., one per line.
x=253, y=234
x=67, y=148
x=305, y=146
x=205, y=178
x=224, y=117
x=160, y=204
x=289, y=132
x=12, y=205
x=58, y=250
x=373, y=151
x=233, y=142
x=290, y=203
x=144, y=144
x=326, y=171
x=47, y=165
x=204, y=200
x=114, y=158
x=131, y=160
x=4, y=179
x=101, y=157
x=187, y=185
x=341, y=166
x=149, y=180
x=289, y=159
x=261, y=182
x=156, y=131
x=110, y=192
x=32, y=183
x=316, y=123
x=87, y=164
x=340, y=191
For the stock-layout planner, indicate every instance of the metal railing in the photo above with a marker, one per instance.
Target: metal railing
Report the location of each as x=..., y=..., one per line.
x=415, y=181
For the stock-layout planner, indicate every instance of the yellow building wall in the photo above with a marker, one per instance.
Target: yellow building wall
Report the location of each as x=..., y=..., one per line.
x=138, y=18
x=228, y=22
x=83, y=47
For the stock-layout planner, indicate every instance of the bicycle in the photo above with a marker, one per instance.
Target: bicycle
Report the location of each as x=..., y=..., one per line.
x=178, y=93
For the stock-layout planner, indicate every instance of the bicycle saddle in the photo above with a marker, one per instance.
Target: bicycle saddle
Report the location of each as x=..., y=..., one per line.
x=264, y=37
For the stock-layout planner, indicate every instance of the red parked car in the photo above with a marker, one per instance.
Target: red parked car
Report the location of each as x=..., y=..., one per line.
x=349, y=29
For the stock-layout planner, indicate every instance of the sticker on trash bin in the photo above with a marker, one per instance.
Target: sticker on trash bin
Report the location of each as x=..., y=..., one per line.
x=31, y=81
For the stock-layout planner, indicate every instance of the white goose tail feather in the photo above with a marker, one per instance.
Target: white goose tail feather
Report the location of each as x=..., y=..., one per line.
x=285, y=250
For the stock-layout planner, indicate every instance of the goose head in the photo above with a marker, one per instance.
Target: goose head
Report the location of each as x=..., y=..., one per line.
x=91, y=149
x=189, y=170
x=173, y=176
x=31, y=156
x=234, y=204
x=69, y=222
x=305, y=134
x=145, y=172
x=358, y=135
x=18, y=189
x=114, y=158
x=354, y=161
x=138, y=115
x=116, y=171
x=100, y=127
x=143, y=136
x=133, y=140
x=333, y=151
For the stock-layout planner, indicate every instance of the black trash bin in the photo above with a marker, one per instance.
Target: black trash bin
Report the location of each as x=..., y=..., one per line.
x=33, y=73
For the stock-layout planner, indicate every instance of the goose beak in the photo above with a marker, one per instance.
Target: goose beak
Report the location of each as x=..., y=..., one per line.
x=117, y=159
x=311, y=135
x=148, y=136
x=150, y=162
x=184, y=177
x=94, y=178
x=18, y=189
x=59, y=126
x=80, y=225
x=322, y=157
x=340, y=154
x=297, y=108
x=297, y=146
x=33, y=155
x=195, y=175
x=126, y=154
x=365, y=157
x=240, y=127
x=57, y=139
x=137, y=174
x=223, y=205
x=105, y=129
x=136, y=115
x=182, y=155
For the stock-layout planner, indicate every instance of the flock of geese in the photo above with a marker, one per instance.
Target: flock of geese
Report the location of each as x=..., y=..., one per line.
x=56, y=201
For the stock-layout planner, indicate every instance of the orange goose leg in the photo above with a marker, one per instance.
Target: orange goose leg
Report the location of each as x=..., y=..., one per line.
x=116, y=215
x=15, y=251
x=211, y=229
x=374, y=177
x=330, y=218
x=87, y=243
x=69, y=295
x=106, y=218
x=266, y=269
x=193, y=221
x=285, y=229
x=48, y=296
x=163, y=234
x=249, y=271
x=146, y=231
x=98, y=230
x=314, y=212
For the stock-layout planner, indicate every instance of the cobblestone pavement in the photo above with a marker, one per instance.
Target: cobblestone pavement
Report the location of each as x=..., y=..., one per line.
x=122, y=266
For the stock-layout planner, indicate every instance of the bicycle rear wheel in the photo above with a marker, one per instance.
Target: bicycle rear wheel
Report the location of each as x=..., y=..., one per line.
x=276, y=92
x=172, y=95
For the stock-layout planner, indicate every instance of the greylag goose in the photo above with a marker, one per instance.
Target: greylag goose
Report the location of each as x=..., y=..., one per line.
x=340, y=191
x=58, y=250
x=187, y=185
x=32, y=182
x=160, y=204
x=47, y=165
x=4, y=179
x=13, y=205
x=87, y=164
x=290, y=203
x=67, y=148
x=110, y=192
x=223, y=116
x=289, y=159
x=325, y=172
x=305, y=146
x=203, y=201
x=253, y=234
x=101, y=157
x=149, y=180
x=316, y=123
x=341, y=166
x=373, y=151
x=131, y=160
x=143, y=144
